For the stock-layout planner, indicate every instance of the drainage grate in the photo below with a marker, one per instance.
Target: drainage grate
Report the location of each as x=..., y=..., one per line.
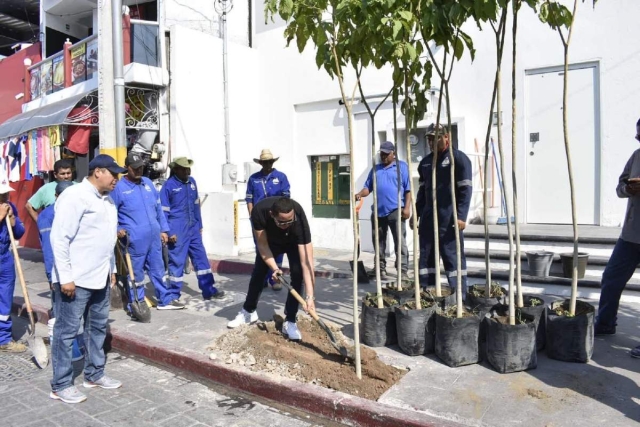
x=15, y=367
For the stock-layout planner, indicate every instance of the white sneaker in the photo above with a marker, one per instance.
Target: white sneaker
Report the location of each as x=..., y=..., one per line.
x=243, y=318
x=291, y=330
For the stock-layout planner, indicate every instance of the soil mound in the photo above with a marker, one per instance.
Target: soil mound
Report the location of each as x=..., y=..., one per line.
x=263, y=348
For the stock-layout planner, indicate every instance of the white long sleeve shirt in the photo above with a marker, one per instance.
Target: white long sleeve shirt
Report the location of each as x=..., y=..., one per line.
x=83, y=236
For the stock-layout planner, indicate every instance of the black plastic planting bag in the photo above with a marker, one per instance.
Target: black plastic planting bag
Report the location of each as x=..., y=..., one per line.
x=482, y=305
x=401, y=296
x=539, y=318
x=416, y=330
x=378, y=326
x=443, y=301
x=570, y=339
x=457, y=340
x=511, y=348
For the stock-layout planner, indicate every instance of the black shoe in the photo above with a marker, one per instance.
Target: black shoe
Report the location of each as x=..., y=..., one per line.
x=218, y=295
x=604, y=330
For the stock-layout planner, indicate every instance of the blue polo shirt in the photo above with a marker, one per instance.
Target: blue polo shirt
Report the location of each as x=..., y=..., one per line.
x=387, y=180
x=261, y=186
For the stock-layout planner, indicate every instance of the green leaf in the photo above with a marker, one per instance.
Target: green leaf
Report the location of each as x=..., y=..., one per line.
x=397, y=26
x=406, y=15
x=458, y=48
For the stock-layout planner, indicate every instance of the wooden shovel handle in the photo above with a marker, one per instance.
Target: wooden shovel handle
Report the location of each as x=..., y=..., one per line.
x=23, y=284
x=297, y=296
x=127, y=257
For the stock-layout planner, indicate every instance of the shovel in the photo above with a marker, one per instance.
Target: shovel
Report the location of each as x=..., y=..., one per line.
x=139, y=309
x=363, y=277
x=38, y=349
x=332, y=338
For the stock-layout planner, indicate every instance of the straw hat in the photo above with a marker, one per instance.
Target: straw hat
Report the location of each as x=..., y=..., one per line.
x=265, y=155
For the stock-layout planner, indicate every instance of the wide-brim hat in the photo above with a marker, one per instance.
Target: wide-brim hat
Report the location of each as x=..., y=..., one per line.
x=265, y=155
x=5, y=188
x=182, y=162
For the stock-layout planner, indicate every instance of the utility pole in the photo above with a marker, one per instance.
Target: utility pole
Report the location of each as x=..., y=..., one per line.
x=118, y=82
x=223, y=7
x=106, y=102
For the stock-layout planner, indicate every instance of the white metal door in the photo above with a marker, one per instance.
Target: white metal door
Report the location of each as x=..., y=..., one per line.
x=548, y=198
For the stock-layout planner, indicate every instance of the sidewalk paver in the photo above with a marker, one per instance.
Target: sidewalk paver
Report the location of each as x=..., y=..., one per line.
x=555, y=394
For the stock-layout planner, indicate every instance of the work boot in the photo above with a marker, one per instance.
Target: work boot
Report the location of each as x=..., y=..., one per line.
x=291, y=330
x=13, y=347
x=217, y=295
x=635, y=353
x=104, y=382
x=243, y=318
x=68, y=395
x=600, y=330
x=383, y=273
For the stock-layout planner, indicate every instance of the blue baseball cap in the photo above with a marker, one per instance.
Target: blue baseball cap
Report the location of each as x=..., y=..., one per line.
x=387, y=147
x=105, y=161
x=63, y=185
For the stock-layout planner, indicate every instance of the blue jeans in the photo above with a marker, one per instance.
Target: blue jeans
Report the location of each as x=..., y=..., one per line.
x=93, y=304
x=620, y=268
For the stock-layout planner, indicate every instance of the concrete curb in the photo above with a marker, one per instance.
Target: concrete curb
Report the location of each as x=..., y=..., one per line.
x=335, y=406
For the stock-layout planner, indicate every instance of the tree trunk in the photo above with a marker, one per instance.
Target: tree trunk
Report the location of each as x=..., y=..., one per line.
x=356, y=313
x=399, y=178
x=565, y=128
x=514, y=159
x=512, y=315
x=434, y=199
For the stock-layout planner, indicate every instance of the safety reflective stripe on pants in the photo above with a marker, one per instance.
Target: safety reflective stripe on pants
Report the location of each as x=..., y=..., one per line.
x=4, y=318
x=139, y=284
x=166, y=209
x=203, y=272
x=455, y=273
x=44, y=230
x=465, y=183
x=424, y=271
x=175, y=279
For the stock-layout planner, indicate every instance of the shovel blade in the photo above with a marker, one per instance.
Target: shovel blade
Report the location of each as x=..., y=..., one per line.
x=141, y=311
x=39, y=352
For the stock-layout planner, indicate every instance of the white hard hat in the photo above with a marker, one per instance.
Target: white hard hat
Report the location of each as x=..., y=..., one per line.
x=5, y=188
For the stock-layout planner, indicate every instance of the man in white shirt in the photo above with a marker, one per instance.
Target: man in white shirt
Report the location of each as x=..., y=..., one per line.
x=83, y=236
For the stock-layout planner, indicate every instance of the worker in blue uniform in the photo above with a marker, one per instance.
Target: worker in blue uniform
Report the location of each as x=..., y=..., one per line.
x=181, y=206
x=424, y=206
x=7, y=269
x=267, y=182
x=45, y=220
x=141, y=221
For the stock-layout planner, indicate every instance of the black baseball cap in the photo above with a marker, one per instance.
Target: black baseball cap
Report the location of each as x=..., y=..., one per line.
x=431, y=130
x=105, y=161
x=63, y=185
x=134, y=160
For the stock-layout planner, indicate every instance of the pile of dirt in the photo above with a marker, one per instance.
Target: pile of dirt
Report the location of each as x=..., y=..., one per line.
x=264, y=349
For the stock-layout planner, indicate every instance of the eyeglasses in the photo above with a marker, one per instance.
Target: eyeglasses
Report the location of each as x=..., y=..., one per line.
x=284, y=223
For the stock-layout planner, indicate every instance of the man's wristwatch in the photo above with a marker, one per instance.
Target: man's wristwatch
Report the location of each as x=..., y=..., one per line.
x=310, y=298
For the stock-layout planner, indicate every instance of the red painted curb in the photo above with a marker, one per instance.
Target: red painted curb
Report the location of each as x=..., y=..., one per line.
x=336, y=406
x=223, y=266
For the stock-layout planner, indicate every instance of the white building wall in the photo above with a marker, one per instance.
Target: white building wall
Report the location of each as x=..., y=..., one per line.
x=280, y=100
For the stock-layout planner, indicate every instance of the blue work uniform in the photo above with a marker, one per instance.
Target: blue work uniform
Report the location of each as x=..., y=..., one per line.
x=424, y=206
x=45, y=220
x=181, y=206
x=388, y=212
x=7, y=274
x=140, y=214
x=261, y=186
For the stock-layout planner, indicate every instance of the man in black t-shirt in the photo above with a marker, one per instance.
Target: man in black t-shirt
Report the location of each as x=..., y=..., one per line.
x=280, y=227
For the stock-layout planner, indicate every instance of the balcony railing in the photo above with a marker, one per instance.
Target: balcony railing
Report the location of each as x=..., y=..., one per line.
x=76, y=63
x=79, y=62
